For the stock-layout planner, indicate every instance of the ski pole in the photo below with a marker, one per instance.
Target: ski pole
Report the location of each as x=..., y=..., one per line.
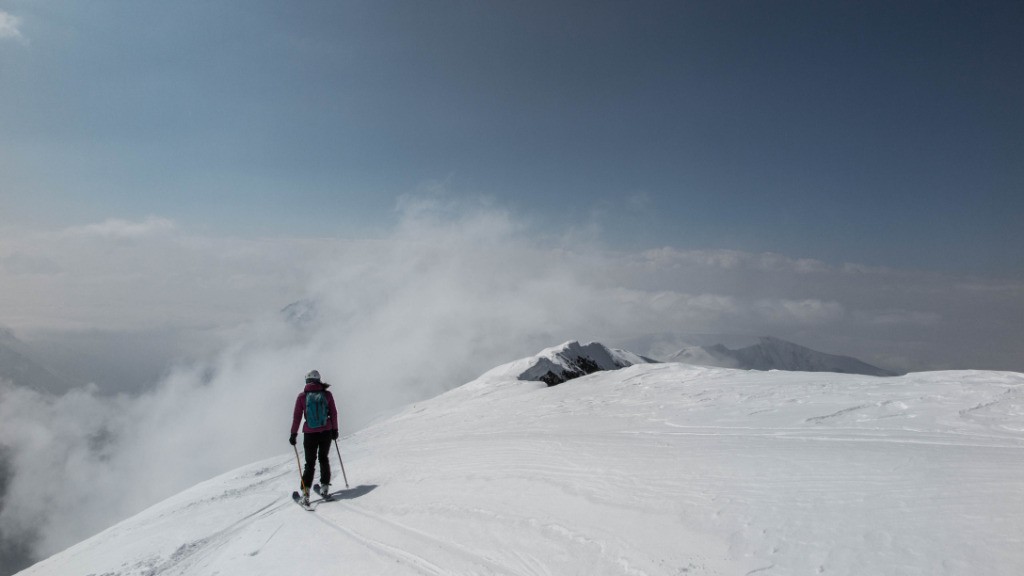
x=299, y=463
x=343, y=475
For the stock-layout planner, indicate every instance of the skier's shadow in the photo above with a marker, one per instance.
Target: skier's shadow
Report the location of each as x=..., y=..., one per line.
x=352, y=493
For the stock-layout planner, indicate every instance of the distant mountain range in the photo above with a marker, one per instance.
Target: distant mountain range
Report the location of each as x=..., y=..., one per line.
x=775, y=354
x=572, y=360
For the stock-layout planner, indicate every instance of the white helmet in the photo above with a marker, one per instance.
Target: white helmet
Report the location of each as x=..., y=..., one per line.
x=313, y=376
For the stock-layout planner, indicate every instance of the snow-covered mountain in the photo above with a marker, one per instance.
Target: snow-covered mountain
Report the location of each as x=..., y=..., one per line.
x=569, y=360
x=651, y=469
x=775, y=354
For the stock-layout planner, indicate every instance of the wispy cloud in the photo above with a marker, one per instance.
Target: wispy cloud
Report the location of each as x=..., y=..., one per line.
x=138, y=275
x=117, y=228
x=135, y=275
x=10, y=27
x=669, y=257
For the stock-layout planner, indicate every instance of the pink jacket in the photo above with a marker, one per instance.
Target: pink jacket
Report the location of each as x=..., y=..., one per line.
x=300, y=409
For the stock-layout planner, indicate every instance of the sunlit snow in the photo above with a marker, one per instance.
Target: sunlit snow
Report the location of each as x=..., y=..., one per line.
x=651, y=469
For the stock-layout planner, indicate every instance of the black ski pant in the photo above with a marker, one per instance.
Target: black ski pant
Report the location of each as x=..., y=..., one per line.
x=317, y=446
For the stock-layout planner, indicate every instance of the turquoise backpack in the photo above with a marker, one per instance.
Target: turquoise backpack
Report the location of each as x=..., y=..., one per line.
x=316, y=409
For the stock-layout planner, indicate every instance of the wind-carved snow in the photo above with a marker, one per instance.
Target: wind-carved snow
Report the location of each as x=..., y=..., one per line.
x=657, y=469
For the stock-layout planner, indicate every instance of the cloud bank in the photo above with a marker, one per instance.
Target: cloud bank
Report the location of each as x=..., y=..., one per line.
x=448, y=294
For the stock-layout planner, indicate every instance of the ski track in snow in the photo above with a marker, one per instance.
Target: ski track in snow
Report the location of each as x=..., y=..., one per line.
x=651, y=470
x=417, y=544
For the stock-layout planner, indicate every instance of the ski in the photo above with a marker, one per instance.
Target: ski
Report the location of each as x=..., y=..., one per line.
x=326, y=497
x=298, y=500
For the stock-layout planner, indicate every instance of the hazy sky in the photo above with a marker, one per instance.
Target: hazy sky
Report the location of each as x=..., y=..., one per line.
x=882, y=133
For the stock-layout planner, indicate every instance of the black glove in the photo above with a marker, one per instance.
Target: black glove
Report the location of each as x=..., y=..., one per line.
x=291, y=439
x=334, y=434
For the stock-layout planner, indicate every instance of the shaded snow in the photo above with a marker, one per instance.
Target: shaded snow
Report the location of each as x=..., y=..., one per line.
x=651, y=469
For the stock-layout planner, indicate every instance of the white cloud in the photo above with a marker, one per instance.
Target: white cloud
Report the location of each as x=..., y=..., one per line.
x=800, y=312
x=10, y=27
x=731, y=260
x=900, y=318
x=139, y=275
x=117, y=228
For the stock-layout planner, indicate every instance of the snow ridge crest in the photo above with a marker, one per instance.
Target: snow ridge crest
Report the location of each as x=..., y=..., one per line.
x=572, y=360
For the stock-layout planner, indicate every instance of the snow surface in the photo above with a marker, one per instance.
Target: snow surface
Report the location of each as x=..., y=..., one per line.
x=652, y=469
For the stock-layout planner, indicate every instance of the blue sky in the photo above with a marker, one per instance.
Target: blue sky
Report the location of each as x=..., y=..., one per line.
x=845, y=175
x=872, y=132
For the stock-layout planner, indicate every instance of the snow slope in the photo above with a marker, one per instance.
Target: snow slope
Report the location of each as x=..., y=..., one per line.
x=652, y=469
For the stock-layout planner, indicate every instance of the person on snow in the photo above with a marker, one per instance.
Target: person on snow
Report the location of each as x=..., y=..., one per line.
x=316, y=404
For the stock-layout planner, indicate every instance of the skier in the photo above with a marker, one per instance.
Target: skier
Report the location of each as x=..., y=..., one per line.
x=320, y=428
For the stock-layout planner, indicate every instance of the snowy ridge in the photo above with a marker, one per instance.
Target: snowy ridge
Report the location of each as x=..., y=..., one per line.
x=651, y=469
x=572, y=360
x=559, y=364
x=775, y=354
